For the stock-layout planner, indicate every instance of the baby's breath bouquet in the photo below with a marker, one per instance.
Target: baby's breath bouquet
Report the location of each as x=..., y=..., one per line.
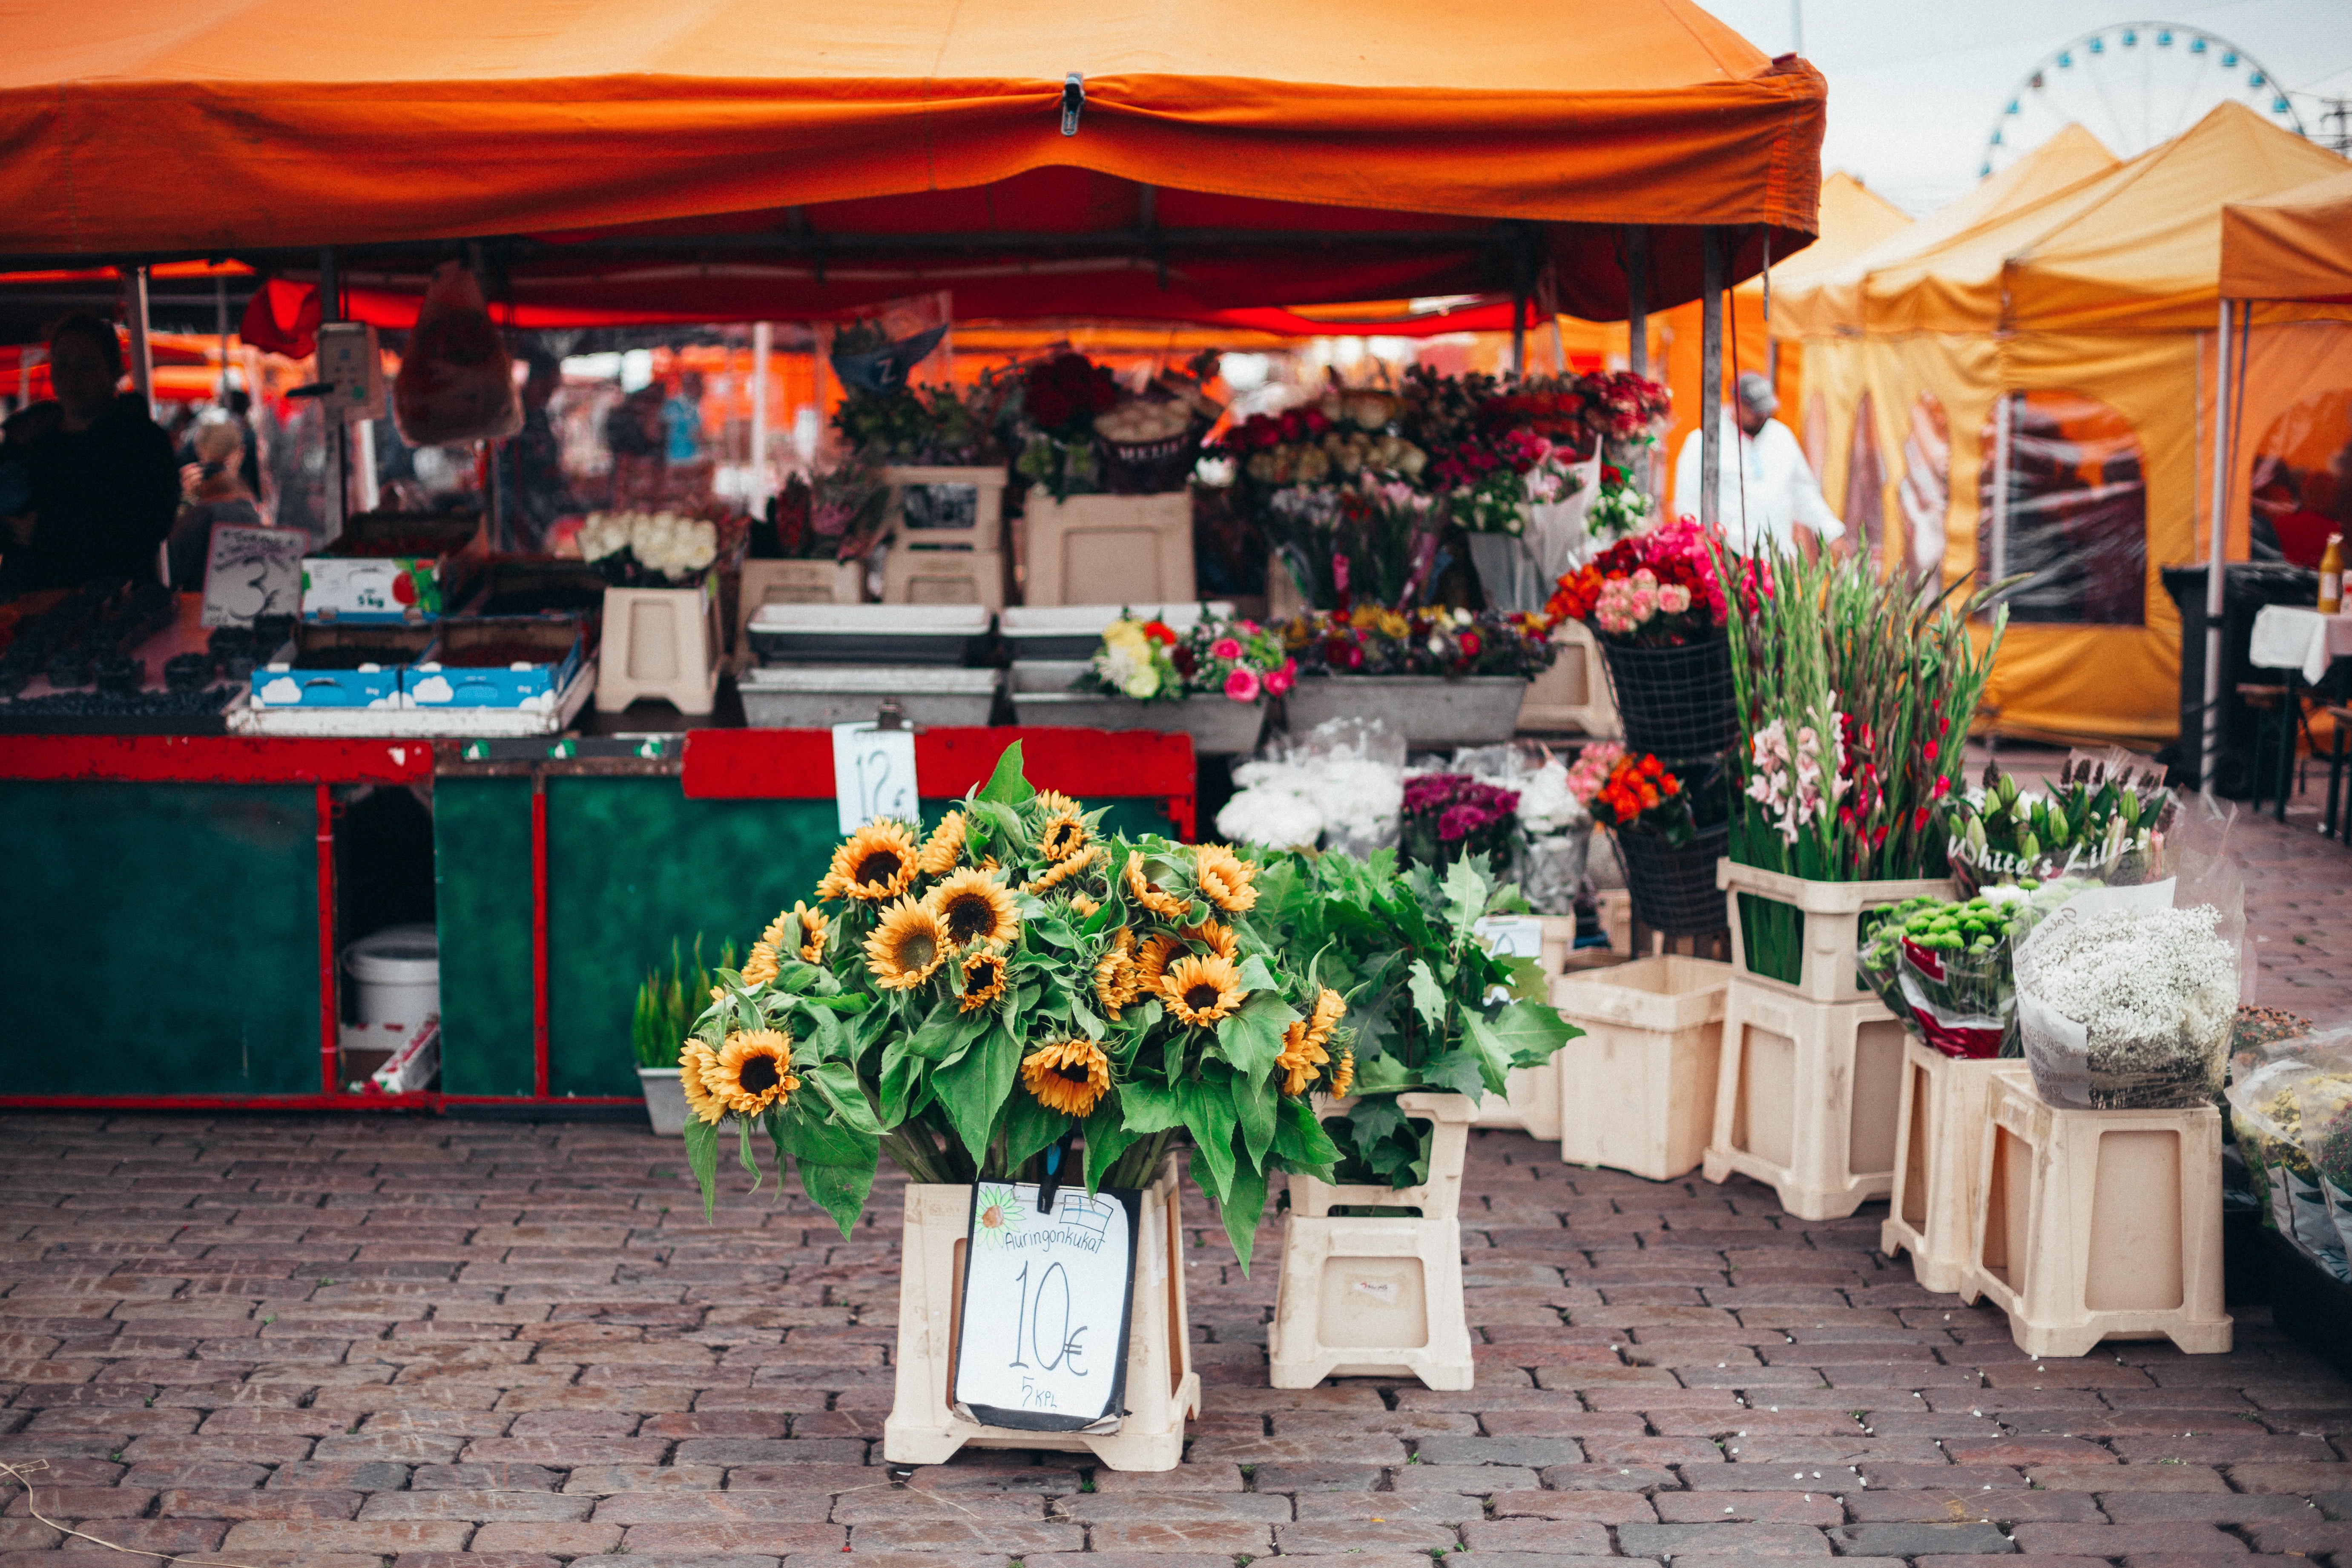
x=965, y=999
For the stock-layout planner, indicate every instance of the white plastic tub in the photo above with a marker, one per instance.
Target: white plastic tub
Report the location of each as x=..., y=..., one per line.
x=395, y=975
x=871, y=633
x=817, y=696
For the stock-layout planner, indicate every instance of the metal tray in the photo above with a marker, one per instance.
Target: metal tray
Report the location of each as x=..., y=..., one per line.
x=1075, y=631
x=873, y=635
x=818, y=696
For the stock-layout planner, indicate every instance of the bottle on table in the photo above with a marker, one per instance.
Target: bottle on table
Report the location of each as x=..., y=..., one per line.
x=2331, y=576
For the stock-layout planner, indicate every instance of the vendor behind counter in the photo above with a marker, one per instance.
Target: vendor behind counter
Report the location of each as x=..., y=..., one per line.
x=97, y=472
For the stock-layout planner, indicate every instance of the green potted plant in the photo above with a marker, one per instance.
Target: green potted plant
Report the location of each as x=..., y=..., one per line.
x=669, y=1001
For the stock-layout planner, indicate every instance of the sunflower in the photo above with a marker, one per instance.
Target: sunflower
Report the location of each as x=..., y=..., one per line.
x=873, y=864
x=1325, y=1014
x=1216, y=938
x=1199, y=990
x=944, y=847
x=1151, y=898
x=975, y=910
x=812, y=933
x=754, y=1070
x=1067, y=1076
x=907, y=947
x=1152, y=961
x=694, y=1062
x=1083, y=904
x=1057, y=875
x=1063, y=835
x=1053, y=802
x=761, y=967
x=1225, y=877
x=1343, y=1075
x=1301, y=1054
x=983, y=980
x=1115, y=981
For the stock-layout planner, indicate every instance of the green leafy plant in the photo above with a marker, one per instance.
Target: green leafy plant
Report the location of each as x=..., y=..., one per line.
x=1016, y=979
x=669, y=1001
x=1431, y=1007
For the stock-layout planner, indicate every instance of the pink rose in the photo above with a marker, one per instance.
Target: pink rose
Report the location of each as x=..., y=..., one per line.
x=1241, y=685
x=1280, y=681
x=1225, y=648
x=1674, y=598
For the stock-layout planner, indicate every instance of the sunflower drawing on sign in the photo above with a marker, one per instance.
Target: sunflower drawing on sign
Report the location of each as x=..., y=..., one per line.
x=999, y=1213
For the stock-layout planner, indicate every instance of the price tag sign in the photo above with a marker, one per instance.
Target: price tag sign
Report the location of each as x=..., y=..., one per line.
x=1511, y=936
x=1047, y=1299
x=873, y=776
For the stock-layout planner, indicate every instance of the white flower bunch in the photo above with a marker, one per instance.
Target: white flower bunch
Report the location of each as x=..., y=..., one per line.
x=1546, y=805
x=2153, y=990
x=1277, y=817
x=663, y=541
x=1351, y=799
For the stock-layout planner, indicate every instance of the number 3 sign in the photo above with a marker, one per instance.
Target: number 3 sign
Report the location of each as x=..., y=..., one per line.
x=1046, y=1304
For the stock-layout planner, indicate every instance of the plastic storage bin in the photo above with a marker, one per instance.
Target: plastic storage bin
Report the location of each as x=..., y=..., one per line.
x=1144, y=542
x=1940, y=1122
x=1806, y=1098
x=1637, y=1091
x=395, y=975
x=1831, y=914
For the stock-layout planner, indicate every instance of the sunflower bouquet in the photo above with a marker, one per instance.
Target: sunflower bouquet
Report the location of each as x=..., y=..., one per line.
x=1016, y=979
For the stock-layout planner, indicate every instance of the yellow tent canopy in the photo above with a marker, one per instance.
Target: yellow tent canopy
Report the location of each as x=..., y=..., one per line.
x=2297, y=245
x=2026, y=394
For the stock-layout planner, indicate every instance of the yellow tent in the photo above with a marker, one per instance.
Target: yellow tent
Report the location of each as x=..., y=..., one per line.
x=2023, y=393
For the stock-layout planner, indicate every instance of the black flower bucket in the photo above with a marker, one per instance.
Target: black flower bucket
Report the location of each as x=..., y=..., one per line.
x=1674, y=888
x=1673, y=701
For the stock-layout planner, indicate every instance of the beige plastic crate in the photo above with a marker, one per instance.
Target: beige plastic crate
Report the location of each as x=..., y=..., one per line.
x=768, y=582
x=1637, y=1091
x=660, y=642
x=1531, y=1101
x=2094, y=1225
x=1081, y=549
x=1807, y=1098
x=1378, y=1296
x=1832, y=913
x=1573, y=694
x=1941, y=1121
x=1162, y=1389
x=943, y=577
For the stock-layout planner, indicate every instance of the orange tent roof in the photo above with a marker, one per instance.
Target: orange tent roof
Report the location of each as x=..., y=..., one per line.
x=1853, y=219
x=2293, y=246
x=1813, y=298
x=1229, y=152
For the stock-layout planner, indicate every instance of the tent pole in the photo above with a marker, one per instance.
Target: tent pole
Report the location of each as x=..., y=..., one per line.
x=334, y=435
x=1710, y=383
x=143, y=355
x=2217, y=528
x=1518, y=333
x=220, y=331
x=2000, y=482
x=1637, y=299
x=763, y=344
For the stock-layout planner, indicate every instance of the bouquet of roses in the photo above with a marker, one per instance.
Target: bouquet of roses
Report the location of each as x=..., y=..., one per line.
x=1060, y=397
x=1240, y=660
x=1654, y=590
x=1448, y=815
x=1620, y=507
x=1620, y=404
x=966, y=998
x=1138, y=659
x=1431, y=640
x=1631, y=794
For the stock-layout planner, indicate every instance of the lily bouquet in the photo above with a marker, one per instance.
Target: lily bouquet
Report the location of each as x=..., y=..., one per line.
x=964, y=1000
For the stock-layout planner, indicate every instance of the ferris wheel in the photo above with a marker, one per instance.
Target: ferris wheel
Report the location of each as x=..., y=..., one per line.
x=2133, y=85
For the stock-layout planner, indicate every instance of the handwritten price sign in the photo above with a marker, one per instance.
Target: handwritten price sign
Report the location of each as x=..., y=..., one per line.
x=874, y=774
x=1046, y=1304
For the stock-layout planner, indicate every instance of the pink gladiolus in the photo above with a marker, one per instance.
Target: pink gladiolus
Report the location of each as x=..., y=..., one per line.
x=1241, y=685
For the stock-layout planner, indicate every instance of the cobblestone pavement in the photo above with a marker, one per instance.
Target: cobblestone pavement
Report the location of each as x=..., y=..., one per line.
x=427, y=1343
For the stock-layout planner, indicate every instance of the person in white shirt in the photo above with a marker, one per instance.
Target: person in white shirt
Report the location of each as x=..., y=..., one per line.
x=1782, y=500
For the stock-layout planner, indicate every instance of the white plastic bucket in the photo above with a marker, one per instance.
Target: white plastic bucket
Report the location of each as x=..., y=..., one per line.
x=395, y=975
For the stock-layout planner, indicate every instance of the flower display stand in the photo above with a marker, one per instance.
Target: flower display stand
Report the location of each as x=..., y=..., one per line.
x=1573, y=694
x=1637, y=1091
x=945, y=546
x=1426, y=709
x=1531, y=1101
x=663, y=643
x=1162, y=1389
x=1831, y=916
x=1940, y=1122
x=2093, y=1225
x=1806, y=1098
x=768, y=582
x=1673, y=701
x=1378, y=1296
x=1141, y=544
x=1042, y=694
x=917, y=576
x=665, y=1100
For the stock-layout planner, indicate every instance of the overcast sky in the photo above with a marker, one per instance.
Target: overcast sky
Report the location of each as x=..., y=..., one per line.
x=1915, y=86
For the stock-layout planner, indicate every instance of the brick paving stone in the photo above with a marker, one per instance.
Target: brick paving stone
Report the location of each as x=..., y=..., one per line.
x=1919, y=1539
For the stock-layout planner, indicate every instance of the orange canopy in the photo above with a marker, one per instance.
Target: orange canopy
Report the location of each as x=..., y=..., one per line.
x=2293, y=246
x=1228, y=153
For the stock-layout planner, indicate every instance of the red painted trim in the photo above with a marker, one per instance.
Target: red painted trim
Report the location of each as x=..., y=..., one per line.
x=211, y=759
x=797, y=764
x=538, y=1076
x=422, y=1100
x=330, y=1011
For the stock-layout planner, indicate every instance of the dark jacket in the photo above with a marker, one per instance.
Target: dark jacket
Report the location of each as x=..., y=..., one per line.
x=103, y=499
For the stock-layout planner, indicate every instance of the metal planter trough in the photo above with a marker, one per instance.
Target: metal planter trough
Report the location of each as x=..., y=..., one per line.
x=818, y=696
x=1219, y=726
x=1426, y=709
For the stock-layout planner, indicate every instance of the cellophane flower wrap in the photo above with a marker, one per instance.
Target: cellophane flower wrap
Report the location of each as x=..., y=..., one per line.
x=1654, y=590
x=1434, y=640
x=1431, y=1007
x=2106, y=820
x=964, y=998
